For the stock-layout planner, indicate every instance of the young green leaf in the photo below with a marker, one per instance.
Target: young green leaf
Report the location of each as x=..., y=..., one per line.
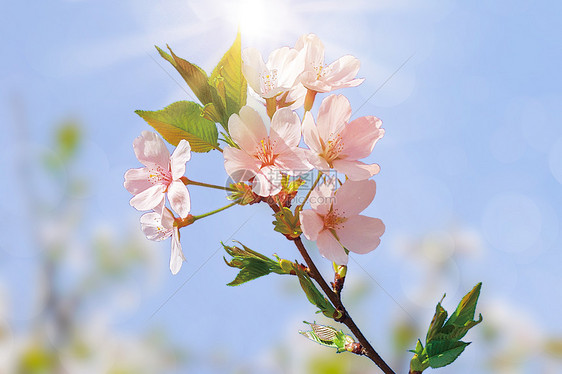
x=227, y=77
x=287, y=223
x=252, y=264
x=315, y=296
x=183, y=120
x=466, y=309
x=197, y=80
x=327, y=336
x=443, y=344
x=437, y=322
x=442, y=353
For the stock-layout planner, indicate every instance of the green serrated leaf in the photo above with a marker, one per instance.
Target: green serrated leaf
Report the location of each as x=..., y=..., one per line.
x=327, y=336
x=227, y=77
x=466, y=308
x=443, y=343
x=443, y=353
x=182, y=120
x=252, y=268
x=197, y=80
x=252, y=264
x=210, y=112
x=419, y=362
x=287, y=223
x=315, y=296
x=437, y=322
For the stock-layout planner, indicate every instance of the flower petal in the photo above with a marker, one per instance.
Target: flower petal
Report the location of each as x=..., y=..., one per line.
x=152, y=227
x=353, y=197
x=267, y=182
x=322, y=198
x=343, y=71
x=178, y=195
x=329, y=248
x=360, y=136
x=311, y=224
x=356, y=170
x=252, y=67
x=294, y=161
x=333, y=114
x=288, y=64
x=285, y=129
x=137, y=180
x=179, y=157
x=239, y=165
x=151, y=150
x=176, y=256
x=310, y=133
x=314, y=50
x=247, y=129
x=361, y=234
x=149, y=198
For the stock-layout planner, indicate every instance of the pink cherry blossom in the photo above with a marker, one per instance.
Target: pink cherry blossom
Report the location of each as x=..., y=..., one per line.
x=262, y=157
x=325, y=78
x=337, y=144
x=159, y=225
x=278, y=75
x=335, y=224
x=160, y=175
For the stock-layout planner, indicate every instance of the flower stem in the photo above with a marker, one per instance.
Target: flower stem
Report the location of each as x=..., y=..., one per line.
x=271, y=106
x=335, y=299
x=194, y=183
x=310, y=190
x=309, y=100
x=368, y=349
x=195, y=218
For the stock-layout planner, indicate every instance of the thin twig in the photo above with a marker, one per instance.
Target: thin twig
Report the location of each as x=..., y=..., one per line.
x=346, y=318
x=335, y=299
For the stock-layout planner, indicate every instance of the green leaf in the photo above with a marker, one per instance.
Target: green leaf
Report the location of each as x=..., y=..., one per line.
x=442, y=353
x=227, y=77
x=466, y=308
x=315, y=296
x=252, y=268
x=443, y=344
x=328, y=336
x=197, y=80
x=420, y=361
x=287, y=223
x=437, y=322
x=183, y=120
x=252, y=264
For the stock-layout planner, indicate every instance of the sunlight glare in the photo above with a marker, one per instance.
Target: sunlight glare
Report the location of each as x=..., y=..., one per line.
x=258, y=18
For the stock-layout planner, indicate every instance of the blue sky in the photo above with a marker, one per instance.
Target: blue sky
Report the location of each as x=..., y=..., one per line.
x=473, y=142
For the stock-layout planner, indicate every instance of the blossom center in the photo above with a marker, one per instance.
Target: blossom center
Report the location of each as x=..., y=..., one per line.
x=333, y=148
x=264, y=152
x=268, y=81
x=321, y=70
x=333, y=220
x=158, y=175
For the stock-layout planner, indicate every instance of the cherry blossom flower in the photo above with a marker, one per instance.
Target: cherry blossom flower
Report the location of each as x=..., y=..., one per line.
x=263, y=157
x=159, y=225
x=280, y=73
x=334, y=221
x=325, y=78
x=337, y=144
x=160, y=175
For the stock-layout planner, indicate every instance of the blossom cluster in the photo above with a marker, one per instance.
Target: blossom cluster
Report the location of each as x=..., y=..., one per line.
x=261, y=154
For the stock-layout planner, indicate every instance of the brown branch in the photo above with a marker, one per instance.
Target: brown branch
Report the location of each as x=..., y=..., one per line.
x=335, y=299
x=346, y=319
